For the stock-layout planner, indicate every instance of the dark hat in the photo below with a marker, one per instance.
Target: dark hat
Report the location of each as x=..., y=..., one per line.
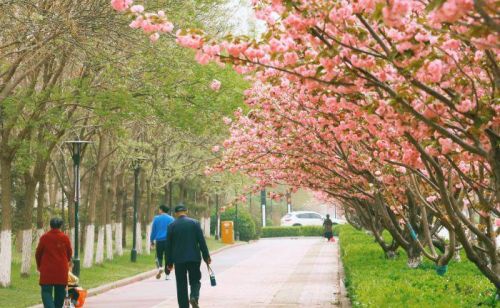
x=180, y=208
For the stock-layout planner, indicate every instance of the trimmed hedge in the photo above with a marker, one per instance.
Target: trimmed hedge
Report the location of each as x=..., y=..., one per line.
x=294, y=231
x=374, y=281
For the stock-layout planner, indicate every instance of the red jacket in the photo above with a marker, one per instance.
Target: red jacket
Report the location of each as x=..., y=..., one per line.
x=52, y=257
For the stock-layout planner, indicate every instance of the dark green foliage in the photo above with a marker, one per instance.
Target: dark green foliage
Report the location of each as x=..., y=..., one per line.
x=374, y=281
x=280, y=231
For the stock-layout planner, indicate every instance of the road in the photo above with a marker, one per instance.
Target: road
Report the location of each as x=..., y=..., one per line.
x=284, y=272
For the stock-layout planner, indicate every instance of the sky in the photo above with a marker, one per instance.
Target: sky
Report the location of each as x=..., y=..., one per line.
x=243, y=18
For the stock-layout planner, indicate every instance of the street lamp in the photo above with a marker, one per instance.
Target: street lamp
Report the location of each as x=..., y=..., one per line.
x=263, y=202
x=236, y=232
x=76, y=149
x=137, y=169
x=217, y=214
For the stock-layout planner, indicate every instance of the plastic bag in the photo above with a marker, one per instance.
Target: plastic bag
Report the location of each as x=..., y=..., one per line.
x=82, y=295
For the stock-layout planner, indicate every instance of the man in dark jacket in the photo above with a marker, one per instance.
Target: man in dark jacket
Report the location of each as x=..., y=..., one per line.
x=53, y=255
x=184, y=242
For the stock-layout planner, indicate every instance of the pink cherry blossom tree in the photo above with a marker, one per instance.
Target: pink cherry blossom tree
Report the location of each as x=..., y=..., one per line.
x=390, y=106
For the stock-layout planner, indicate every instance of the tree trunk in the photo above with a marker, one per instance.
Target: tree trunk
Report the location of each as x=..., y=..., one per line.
x=99, y=255
x=5, y=257
x=42, y=188
x=119, y=238
x=6, y=227
x=52, y=188
x=147, y=217
x=110, y=193
x=138, y=239
x=89, y=245
x=26, y=252
x=147, y=250
x=109, y=242
x=120, y=204
x=26, y=218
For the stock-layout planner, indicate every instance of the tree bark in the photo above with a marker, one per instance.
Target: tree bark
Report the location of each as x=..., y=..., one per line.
x=26, y=222
x=120, y=204
x=6, y=227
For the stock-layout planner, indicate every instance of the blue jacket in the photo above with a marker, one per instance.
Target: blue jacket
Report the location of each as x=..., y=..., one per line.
x=160, y=226
x=185, y=241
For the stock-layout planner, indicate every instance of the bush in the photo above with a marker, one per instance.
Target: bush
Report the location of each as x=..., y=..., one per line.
x=374, y=281
x=295, y=231
x=280, y=231
x=245, y=224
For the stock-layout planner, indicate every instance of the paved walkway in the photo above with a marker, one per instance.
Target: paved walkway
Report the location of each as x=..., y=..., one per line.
x=283, y=272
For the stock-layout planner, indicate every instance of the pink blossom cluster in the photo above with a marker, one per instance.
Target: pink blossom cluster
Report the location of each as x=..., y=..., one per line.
x=121, y=5
x=151, y=23
x=452, y=10
x=215, y=85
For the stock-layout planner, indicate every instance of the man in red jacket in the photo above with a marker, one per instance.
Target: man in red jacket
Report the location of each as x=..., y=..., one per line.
x=53, y=255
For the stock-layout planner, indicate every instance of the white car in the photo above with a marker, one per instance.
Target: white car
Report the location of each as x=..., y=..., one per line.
x=302, y=218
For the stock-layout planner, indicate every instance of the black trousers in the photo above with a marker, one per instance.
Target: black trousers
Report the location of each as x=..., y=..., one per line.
x=161, y=253
x=53, y=295
x=182, y=270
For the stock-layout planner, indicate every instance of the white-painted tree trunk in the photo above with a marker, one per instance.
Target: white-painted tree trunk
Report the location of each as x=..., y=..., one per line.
x=202, y=224
x=118, y=239
x=138, y=239
x=148, y=243
x=5, y=257
x=206, y=227
x=89, y=246
x=99, y=254
x=26, y=252
x=109, y=242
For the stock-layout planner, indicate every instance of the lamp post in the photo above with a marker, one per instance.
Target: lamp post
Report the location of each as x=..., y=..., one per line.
x=263, y=203
x=217, y=214
x=76, y=150
x=217, y=226
x=137, y=169
x=236, y=232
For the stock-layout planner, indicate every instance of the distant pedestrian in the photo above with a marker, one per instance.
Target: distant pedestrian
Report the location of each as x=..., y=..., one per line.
x=159, y=237
x=185, y=241
x=328, y=228
x=53, y=256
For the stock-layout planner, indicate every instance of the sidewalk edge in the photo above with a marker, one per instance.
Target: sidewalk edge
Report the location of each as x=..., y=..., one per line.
x=344, y=299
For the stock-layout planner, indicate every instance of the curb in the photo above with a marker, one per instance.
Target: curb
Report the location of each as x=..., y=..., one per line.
x=344, y=300
x=139, y=277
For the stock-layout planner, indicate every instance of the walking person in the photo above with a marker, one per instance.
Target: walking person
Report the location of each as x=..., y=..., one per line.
x=185, y=241
x=53, y=255
x=328, y=228
x=159, y=238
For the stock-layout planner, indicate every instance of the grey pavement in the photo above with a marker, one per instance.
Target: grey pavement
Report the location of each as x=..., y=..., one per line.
x=282, y=272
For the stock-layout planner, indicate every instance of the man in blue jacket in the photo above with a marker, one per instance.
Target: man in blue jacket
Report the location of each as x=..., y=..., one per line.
x=185, y=241
x=159, y=237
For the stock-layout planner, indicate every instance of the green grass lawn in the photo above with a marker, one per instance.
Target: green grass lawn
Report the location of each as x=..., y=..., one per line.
x=25, y=292
x=373, y=281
